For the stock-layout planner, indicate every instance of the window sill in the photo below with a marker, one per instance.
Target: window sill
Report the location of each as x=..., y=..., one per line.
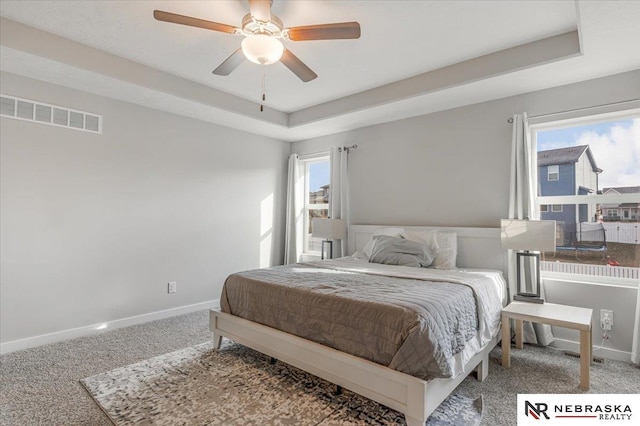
x=587, y=279
x=310, y=257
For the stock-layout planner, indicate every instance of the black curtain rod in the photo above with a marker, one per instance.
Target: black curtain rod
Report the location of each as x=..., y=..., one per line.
x=347, y=148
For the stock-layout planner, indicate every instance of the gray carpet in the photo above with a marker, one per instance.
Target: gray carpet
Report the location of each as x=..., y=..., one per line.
x=41, y=386
x=239, y=386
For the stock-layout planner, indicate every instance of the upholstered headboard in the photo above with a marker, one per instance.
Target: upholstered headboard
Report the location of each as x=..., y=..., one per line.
x=477, y=247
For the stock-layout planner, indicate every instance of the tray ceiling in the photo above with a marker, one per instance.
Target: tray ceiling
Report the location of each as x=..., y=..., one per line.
x=396, y=62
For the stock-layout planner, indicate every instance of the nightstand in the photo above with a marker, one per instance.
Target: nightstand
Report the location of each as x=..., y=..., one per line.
x=552, y=314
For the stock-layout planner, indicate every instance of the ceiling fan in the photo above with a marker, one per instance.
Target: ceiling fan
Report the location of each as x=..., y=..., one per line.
x=263, y=31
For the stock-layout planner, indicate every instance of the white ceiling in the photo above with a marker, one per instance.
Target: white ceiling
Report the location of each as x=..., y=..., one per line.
x=403, y=45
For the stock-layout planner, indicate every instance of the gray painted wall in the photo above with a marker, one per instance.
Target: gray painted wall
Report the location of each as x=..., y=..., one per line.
x=452, y=168
x=621, y=300
x=94, y=226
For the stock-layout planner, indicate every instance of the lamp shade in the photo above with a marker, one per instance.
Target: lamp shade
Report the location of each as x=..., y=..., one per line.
x=534, y=235
x=331, y=229
x=262, y=49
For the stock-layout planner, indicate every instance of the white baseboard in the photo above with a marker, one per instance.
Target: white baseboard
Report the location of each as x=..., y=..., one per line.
x=607, y=353
x=87, y=330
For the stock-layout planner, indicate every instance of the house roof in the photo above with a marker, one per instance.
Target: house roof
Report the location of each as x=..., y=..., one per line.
x=623, y=189
x=566, y=156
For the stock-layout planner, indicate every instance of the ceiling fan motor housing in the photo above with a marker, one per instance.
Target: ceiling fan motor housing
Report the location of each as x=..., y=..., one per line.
x=273, y=27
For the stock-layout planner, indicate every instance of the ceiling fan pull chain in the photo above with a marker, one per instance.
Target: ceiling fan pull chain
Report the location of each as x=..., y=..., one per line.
x=264, y=96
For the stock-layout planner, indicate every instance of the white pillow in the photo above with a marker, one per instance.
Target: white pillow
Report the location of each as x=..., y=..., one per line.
x=391, y=232
x=400, y=251
x=427, y=238
x=360, y=256
x=444, y=244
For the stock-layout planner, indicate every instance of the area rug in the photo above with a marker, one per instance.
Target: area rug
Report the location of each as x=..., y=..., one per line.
x=239, y=386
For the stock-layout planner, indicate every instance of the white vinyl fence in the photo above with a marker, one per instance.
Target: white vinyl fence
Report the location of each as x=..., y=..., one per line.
x=594, y=270
x=621, y=232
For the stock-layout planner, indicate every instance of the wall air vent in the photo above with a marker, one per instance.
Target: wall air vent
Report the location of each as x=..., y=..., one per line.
x=53, y=115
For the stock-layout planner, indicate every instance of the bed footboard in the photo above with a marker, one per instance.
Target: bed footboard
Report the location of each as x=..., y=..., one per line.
x=413, y=397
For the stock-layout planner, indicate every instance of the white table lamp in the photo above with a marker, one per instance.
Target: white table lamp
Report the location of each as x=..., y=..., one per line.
x=329, y=229
x=528, y=235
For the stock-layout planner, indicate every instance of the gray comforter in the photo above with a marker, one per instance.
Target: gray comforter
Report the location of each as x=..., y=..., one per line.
x=423, y=322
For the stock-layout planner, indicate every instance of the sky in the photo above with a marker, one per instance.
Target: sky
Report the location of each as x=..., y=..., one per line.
x=615, y=146
x=318, y=175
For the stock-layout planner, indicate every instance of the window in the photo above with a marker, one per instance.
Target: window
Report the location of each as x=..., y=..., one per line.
x=595, y=232
x=316, y=203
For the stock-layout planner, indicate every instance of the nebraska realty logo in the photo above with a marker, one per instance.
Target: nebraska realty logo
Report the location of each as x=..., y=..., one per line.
x=578, y=409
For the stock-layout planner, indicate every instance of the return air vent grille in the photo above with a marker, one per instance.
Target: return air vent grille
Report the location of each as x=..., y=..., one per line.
x=54, y=115
x=7, y=106
x=43, y=113
x=25, y=110
x=60, y=117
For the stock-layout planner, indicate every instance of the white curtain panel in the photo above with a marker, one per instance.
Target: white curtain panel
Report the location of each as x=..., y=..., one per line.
x=295, y=212
x=339, y=194
x=635, y=349
x=521, y=206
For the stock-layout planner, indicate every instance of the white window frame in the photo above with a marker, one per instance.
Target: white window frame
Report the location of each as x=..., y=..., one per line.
x=553, y=170
x=307, y=161
x=544, y=208
x=612, y=213
x=553, y=208
x=572, y=119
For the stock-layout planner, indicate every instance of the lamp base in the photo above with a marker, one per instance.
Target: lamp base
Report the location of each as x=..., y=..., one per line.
x=330, y=243
x=530, y=299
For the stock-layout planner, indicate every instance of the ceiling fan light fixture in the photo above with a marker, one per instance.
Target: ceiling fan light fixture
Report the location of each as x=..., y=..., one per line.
x=262, y=49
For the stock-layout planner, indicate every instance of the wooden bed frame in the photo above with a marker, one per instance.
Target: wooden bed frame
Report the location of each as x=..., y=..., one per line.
x=415, y=398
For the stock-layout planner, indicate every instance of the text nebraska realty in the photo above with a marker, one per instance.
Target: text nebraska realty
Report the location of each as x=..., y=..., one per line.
x=601, y=412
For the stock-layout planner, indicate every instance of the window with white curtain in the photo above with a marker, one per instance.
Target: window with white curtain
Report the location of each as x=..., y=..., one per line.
x=317, y=174
x=597, y=157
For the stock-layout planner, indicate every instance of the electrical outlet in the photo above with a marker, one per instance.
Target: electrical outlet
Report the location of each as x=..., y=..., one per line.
x=171, y=288
x=606, y=319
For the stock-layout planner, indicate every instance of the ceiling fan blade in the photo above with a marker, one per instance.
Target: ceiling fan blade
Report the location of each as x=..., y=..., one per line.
x=231, y=63
x=174, y=18
x=260, y=10
x=339, y=30
x=297, y=67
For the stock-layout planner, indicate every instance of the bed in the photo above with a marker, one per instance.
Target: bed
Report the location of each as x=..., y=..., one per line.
x=379, y=367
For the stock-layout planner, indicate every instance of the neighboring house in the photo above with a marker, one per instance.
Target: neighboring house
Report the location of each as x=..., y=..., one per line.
x=320, y=196
x=568, y=171
x=625, y=212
